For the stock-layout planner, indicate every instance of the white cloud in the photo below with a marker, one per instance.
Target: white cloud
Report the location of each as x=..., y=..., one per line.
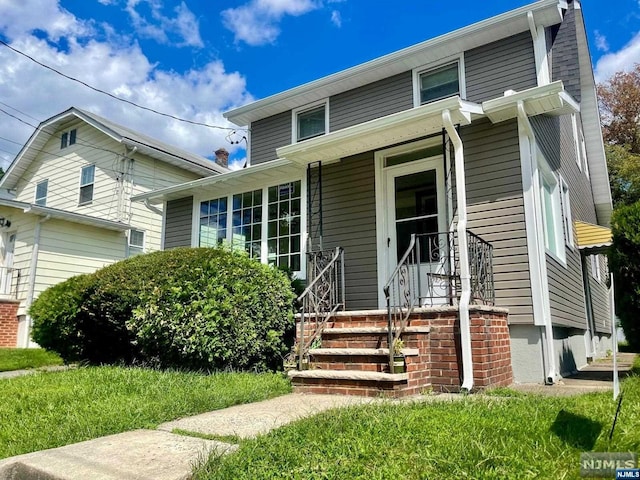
x=257, y=22
x=20, y=17
x=622, y=60
x=336, y=18
x=119, y=66
x=185, y=24
x=601, y=42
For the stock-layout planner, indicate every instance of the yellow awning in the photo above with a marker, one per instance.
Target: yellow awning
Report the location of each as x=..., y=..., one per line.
x=592, y=237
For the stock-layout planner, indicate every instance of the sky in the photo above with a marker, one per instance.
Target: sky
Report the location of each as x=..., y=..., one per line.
x=196, y=59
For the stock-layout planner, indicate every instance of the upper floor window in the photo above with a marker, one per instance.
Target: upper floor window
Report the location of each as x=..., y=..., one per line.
x=86, y=184
x=439, y=83
x=68, y=138
x=566, y=213
x=552, y=215
x=41, y=192
x=310, y=121
x=136, y=242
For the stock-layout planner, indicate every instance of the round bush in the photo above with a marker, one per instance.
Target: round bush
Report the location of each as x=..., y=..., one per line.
x=198, y=308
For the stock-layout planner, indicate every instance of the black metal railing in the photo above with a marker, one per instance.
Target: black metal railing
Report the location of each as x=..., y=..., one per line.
x=428, y=274
x=322, y=298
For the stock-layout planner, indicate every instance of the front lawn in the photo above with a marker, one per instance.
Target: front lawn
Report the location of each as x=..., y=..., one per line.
x=511, y=436
x=26, y=358
x=47, y=410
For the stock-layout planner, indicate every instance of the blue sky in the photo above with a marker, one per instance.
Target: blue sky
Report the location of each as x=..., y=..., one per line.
x=196, y=59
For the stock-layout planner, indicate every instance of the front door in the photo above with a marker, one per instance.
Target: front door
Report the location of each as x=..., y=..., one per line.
x=414, y=202
x=6, y=270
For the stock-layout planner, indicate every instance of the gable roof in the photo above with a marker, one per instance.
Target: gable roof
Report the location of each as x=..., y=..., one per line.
x=544, y=13
x=145, y=144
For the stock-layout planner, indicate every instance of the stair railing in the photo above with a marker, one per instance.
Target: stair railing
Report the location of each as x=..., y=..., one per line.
x=322, y=298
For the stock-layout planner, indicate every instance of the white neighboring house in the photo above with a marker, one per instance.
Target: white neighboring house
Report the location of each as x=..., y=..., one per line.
x=65, y=206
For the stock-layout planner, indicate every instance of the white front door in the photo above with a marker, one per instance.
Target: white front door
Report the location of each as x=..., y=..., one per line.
x=413, y=201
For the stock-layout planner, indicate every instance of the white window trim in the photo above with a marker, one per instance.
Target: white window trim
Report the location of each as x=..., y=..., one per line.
x=130, y=246
x=565, y=206
x=264, y=186
x=547, y=174
x=310, y=106
x=583, y=149
x=68, y=142
x=35, y=194
x=80, y=185
x=434, y=66
x=595, y=268
x=576, y=140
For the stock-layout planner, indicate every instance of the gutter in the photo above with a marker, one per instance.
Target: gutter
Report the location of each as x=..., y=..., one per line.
x=465, y=277
x=523, y=120
x=33, y=266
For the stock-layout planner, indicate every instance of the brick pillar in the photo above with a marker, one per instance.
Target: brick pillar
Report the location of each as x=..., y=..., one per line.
x=9, y=323
x=491, y=349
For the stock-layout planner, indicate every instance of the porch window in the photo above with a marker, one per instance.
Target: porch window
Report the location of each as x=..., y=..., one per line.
x=439, y=83
x=247, y=222
x=213, y=222
x=284, y=217
x=309, y=122
x=41, y=193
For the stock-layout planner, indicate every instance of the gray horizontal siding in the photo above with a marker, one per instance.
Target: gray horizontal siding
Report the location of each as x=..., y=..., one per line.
x=496, y=210
x=507, y=64
x=177, y=230
x=349, y=212
x=375, y=100
x=267, y=135
x=565, y=63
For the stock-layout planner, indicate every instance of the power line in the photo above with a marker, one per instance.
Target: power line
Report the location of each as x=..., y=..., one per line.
x=104, y=92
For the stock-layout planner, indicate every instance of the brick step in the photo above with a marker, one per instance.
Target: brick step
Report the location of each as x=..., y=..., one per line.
x=363, y=337
x=360, y=352
x=348, y=382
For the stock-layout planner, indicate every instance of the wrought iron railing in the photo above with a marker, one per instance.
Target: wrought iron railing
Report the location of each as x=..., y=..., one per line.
x=428, y=275
x=322, y=298
x=9, y=281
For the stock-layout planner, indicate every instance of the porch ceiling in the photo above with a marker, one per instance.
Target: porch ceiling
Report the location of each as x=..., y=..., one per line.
x=381, y=132
x=550, y=99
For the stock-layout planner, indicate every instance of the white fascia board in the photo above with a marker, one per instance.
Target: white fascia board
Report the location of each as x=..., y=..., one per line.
x=380, y=132
x=187, y=188
x=549, y=99
x=545, y=13
x=77, y=218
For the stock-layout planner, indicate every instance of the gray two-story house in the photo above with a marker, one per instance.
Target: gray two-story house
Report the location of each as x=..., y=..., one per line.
x=456, y=176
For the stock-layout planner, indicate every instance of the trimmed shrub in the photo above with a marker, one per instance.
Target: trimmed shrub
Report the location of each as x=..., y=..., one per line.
x=200, y=308
x=57, y=314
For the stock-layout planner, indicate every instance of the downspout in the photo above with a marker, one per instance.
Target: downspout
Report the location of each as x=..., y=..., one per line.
x=465, y=277
x=151, y=207
x=33, y=267
x=551, y=357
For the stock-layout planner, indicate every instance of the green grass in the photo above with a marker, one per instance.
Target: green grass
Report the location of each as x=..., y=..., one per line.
x=46, y=410
x=26, y=358
x=478, y=437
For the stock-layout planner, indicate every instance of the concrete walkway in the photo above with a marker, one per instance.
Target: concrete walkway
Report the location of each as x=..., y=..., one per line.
x=20, y=373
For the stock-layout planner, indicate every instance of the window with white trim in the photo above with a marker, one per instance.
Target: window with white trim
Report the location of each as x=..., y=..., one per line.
x=213, y=222
x=310, y=121
x=136, y=242
x=551, y=213
x=87, y=176
x=583, y=149
x=595, y=267
x=41, y=192
x=576, y=140
x=566, y=213
x=67, y=138
x=284, y=217
x=281, y=245
x=439, y=83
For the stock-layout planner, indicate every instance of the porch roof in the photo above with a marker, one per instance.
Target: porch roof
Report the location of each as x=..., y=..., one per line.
x=381, y=132
x=592, y=238
x=550, y=99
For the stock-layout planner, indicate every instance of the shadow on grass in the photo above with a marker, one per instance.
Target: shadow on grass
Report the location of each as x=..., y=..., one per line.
x=576, y=430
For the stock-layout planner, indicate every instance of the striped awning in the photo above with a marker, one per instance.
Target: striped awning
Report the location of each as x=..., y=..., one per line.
x=592, y=237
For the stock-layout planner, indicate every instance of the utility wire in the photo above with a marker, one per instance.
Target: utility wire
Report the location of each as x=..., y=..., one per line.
x=104, y=92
